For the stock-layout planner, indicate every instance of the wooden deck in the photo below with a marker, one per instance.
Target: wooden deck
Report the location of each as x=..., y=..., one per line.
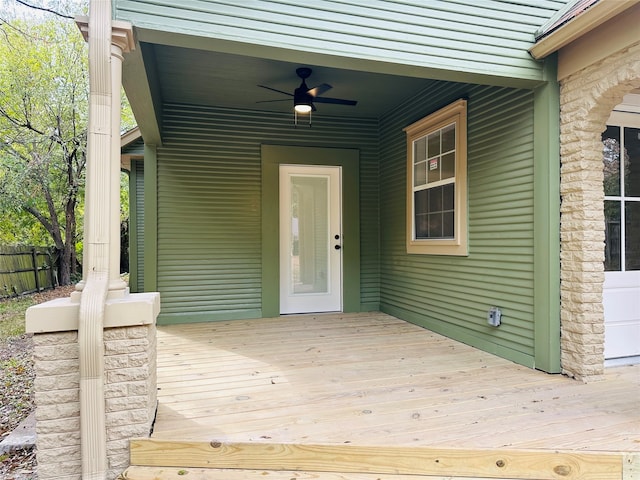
x=371, y=380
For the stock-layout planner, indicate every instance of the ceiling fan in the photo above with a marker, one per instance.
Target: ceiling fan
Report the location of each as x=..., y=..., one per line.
x=305, y=97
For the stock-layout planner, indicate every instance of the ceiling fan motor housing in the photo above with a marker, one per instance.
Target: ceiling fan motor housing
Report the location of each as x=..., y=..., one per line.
x=301, y=95
x=303, y=72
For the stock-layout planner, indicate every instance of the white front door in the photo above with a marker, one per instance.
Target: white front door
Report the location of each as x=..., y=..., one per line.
x=621, y=291
x=310, y=239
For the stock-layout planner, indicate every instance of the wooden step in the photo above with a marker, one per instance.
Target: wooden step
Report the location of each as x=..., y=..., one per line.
x=173, y=473
x=345, y=461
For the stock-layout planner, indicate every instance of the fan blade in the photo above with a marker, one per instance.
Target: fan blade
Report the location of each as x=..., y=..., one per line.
x=276, y=90
x=271, y=101
x=336, y=101
x=319, y=90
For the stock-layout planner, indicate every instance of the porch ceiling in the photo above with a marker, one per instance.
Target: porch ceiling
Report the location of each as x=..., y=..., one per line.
x=203, y=77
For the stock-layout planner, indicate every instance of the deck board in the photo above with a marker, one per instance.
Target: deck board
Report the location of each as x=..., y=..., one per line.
x=348, y=459
x=371, y=379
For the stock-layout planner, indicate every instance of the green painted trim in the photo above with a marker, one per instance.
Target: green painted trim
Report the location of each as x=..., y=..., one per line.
x=150, y=218
x=459, y=334
x=133, y=231
x=270, y=237
x=140, y=82
x=546, y=249
x=201, y=317
x=348, y=159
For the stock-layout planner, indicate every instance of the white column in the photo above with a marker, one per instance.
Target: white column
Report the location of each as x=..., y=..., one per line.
x=122, y=42
x=102, y=246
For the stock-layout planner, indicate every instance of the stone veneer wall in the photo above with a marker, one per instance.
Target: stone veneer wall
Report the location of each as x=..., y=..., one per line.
x=586, y=101
x=130, y=391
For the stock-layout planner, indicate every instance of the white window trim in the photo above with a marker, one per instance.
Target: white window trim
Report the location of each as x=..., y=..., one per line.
x=453, y=113
x=622, y=120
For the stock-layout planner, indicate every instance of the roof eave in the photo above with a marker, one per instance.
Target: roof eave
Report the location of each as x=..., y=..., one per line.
x=130, y=136
x=578, y=26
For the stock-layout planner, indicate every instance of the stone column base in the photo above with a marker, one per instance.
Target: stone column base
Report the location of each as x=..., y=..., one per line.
x=129, y=376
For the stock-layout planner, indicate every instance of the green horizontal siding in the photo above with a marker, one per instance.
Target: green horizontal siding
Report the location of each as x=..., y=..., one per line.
x=134, y=148
x=451, y=295
x=488, y=38
x=209, y=211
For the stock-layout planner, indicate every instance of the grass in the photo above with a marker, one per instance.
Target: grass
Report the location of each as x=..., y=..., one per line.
x=12, y=312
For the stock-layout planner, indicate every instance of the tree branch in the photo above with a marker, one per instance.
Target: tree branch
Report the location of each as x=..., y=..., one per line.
x=18, y=123
x=15, y=153
x=45, y=223
x=44, y=9
x=53, y=216
x=4, y=21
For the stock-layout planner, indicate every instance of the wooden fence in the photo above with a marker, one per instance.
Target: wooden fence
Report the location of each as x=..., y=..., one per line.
x=25, y=270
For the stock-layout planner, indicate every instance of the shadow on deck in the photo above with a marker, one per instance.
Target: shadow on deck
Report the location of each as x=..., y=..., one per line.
x=371, y=394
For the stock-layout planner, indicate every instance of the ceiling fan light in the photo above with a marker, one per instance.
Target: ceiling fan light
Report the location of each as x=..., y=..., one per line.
x=302, y=108
x=302, y=100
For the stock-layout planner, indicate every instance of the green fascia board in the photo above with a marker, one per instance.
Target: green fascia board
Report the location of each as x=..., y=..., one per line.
x=141, y=84
x=547, y=220
x=348, y=159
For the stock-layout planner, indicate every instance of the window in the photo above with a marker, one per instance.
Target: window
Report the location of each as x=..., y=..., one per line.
x=621, y=157
x=437, y=182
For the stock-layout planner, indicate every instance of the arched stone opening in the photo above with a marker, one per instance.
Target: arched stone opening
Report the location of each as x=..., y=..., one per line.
x=587, y=98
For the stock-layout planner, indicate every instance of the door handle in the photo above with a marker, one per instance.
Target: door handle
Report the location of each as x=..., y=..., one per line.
x=337, y=247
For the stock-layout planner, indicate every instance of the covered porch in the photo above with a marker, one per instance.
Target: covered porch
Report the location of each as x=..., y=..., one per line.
x=371, y=380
